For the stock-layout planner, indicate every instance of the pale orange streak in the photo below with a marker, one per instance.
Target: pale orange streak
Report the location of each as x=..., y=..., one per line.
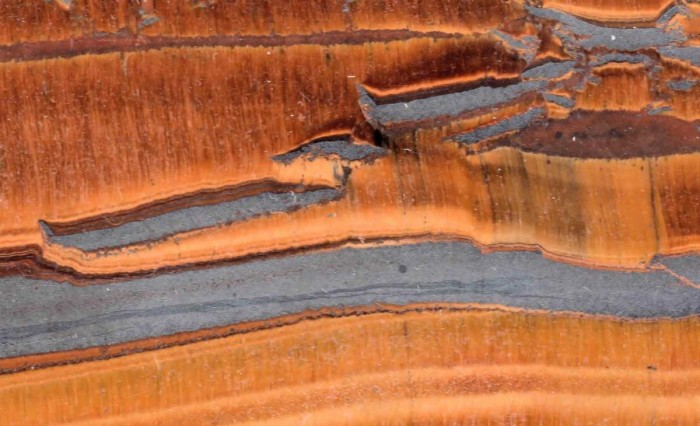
x=612, y=10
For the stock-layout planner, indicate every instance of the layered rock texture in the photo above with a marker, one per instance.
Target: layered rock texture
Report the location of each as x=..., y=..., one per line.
x=349, y=211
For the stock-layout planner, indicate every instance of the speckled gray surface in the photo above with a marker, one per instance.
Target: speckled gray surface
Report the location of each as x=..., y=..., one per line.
x=681, y=85
x=452, y=104
x=560, y=100
x=517, y=122
x=592, y=36
x=191, y=218
x=686, y=266
x=621, y=57
x=689, y=53
x=41, y=316
x=342, y=148
x=549, y=70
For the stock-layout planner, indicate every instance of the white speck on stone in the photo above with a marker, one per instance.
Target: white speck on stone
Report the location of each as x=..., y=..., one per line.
x=612, y=37
x=573, y=138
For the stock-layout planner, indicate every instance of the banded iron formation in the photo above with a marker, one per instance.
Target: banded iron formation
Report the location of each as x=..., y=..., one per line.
x=349, y=212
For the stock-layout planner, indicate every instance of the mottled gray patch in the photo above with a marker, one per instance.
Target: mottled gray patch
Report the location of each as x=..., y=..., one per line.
x=511, y=41
x=42, y=316
x=591, y=36
x=516, y=122
x=621, y=57
x=594, y=79
x=686, y=266
x=346, y=150
x=191, y=218
x=690, y=54
x=528, y=45
x=681, y=85
x=449, y=105
x=672, y=11
x=560, y=100
x=549, y=70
